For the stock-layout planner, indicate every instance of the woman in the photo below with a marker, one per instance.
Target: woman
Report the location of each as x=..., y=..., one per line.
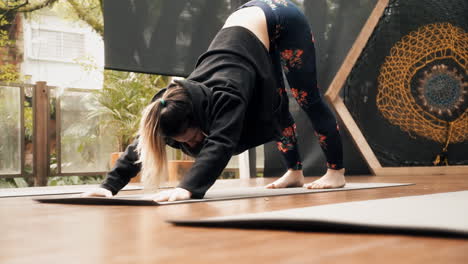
x=235, y=99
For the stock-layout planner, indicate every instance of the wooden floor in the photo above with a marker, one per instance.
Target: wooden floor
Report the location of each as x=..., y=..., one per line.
x=48, y=233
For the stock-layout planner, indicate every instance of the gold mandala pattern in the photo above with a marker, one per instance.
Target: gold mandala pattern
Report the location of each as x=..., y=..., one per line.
x=408, y=56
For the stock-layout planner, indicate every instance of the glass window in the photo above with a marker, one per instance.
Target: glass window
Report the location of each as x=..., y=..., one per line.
x=48, y=44
x=85, y=146
x=10, y=127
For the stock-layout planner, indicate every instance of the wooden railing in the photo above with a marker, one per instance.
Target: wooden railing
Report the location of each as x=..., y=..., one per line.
x=41, y=139
x=41, y=98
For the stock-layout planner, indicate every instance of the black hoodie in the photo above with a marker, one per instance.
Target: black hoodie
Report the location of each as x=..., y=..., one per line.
x=235, y=102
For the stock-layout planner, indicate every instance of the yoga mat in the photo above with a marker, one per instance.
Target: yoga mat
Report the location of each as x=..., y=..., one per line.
x=213, y=195
x=443, y=214
x=54, y=190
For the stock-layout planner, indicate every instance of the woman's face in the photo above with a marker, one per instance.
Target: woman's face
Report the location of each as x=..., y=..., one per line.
x=192, y=137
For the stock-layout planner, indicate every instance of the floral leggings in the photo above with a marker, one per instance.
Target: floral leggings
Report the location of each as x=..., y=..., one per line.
x=292, y=51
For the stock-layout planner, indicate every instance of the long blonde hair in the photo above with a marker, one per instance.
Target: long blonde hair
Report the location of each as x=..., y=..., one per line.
x=168, y=116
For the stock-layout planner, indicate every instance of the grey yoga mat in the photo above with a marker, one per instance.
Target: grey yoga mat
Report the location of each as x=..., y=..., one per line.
x=212, y=195
x=442, y=214
x=54, y=190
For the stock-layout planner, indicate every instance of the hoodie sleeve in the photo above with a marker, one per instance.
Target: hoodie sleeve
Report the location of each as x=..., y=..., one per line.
x=227, y=115
x=125, y=168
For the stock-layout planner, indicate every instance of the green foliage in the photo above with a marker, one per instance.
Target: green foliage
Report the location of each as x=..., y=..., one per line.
x=122, y=100
x=226, y=175
x=20, y=182
x=54, y=181
x=9, y=127
x=74, y=180
x=28, y=121
x=85, y=147
x=8, y=72
x=87, y=11
x=5, y=40
x=7, y=183
x=53, y=164
x=24, y=6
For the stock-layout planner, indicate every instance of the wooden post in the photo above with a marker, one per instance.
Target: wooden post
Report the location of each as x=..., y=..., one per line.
x=40, y=134
x=356, y=134
x=253, y=163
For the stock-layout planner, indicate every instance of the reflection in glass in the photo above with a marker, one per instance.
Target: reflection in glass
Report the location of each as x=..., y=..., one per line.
x=10, y=127
x=84, y=145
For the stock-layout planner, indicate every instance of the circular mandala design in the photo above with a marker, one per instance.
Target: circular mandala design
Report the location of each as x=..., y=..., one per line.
x=442, y=90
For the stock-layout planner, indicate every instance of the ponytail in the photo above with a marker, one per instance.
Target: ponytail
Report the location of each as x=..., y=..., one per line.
x=168, y=116
x=151, y=147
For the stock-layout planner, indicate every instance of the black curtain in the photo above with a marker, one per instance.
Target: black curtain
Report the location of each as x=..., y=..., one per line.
x=161, y=36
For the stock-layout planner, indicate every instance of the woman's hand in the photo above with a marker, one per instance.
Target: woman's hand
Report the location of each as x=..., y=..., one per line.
x=176, y=194
x=98, y=192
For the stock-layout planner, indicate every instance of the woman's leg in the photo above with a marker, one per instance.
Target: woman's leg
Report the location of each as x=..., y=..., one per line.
x=287, y=145
x=297, y=52
x=287, y=141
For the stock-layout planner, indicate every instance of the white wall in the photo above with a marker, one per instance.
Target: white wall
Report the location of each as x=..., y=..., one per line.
x=44, y=30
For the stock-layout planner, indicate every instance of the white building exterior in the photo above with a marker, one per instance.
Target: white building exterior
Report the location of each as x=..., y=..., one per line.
x=61, y=52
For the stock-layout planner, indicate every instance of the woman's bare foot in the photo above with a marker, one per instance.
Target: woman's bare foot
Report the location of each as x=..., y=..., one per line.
x=292, y=178
x=331, y=179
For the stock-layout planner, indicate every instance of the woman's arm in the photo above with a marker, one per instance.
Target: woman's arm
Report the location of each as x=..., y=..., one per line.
x=125, y=168
x=218, y=147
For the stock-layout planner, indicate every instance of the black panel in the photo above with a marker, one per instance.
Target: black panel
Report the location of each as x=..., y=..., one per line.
x=404, y=114
x=160, y=36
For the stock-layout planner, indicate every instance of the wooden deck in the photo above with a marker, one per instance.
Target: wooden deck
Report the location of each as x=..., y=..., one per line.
x=49, y=233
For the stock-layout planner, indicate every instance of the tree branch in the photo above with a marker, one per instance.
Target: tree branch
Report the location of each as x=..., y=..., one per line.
x=5, y=12
x=27, y=7
x=101, y=5
x=83, y=15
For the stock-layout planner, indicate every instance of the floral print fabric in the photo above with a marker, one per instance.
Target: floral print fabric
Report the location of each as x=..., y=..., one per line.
x=292, y=48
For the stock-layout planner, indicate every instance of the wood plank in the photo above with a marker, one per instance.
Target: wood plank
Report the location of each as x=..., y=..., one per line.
x=368, y=154
x=119, y=234
x=355, y=51
x=358, y=138
x=40, y=133
x=442, y=170
x=22, y=132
